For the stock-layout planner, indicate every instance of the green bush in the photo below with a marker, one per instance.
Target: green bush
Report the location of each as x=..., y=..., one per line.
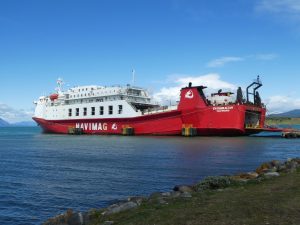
x=212, y=183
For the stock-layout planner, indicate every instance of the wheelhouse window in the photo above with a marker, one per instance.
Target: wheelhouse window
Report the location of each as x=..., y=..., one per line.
x=93, y=111
x=101, y=110
x=120, y=109
x=77, y=111
x=110, y=110
x=70, y=112
x=84, y=111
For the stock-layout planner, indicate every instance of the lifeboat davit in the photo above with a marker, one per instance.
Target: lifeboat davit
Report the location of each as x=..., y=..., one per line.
x=53, y=97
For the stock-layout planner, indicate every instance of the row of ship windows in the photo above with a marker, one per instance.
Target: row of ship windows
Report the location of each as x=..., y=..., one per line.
x=93, y=111
x=101, y=99
x=91, y=94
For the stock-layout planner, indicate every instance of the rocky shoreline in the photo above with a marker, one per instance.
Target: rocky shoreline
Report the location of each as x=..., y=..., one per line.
x=265, y=171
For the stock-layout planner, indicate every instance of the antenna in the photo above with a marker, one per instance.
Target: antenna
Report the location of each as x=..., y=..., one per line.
x=133, y=76
x=60, y=84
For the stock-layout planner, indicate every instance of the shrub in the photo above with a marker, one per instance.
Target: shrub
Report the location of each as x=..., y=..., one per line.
x=212, y=183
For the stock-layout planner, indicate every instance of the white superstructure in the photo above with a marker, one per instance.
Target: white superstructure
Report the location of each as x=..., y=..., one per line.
x=90, y=102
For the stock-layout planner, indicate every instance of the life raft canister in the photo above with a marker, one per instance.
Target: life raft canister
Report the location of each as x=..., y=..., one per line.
x=53, y=97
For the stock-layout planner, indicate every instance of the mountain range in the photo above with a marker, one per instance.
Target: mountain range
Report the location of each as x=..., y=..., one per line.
x=4, y=123
x=290, y=114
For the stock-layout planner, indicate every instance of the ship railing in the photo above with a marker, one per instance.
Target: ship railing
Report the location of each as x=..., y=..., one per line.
x=160, y=109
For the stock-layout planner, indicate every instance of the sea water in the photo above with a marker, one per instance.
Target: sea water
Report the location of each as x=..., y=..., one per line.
x=42, y=175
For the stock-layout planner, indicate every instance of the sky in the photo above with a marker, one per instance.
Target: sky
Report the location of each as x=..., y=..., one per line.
x=223, y=44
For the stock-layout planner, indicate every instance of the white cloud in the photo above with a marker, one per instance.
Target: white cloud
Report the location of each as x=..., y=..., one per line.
x=280, y=6
x=219, y=62
x=224, y=60
x=270, y=56
x=212, y=81
x=11, y=114
x=279, y=104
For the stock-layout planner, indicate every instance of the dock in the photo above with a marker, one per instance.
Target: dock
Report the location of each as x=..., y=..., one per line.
x=285, y=132
x=291, y=134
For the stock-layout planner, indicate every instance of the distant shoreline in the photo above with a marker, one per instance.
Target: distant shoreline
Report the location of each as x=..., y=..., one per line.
x=282, y=121
x=30, y=123
x=16, y=125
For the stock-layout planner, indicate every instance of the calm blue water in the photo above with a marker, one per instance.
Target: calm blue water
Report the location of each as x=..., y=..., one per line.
x=44, y=175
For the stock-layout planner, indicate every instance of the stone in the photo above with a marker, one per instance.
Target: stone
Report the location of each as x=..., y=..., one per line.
x=183, y=188
x=136, y=199
x=186, y=195
x=282, y=168
x=119, y=207
x=155, y=195
x=238, y=179
x=274, y=169
x=166, y=194
x=249, y=175
x=275, y=163
x=296, y=160
x=291, y=166
x=271, y=174
x=162, y=201
x=69, y=218
x=107, y=223
x=263, y=167
x=175, y=194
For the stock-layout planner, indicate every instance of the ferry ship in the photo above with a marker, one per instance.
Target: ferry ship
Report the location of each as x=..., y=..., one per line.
x=130, y=110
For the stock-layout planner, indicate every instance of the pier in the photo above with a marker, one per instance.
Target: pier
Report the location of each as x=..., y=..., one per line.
x=291, y=134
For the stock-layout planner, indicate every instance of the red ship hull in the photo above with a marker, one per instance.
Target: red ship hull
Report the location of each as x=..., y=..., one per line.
x=193, y=112
x=206, y=121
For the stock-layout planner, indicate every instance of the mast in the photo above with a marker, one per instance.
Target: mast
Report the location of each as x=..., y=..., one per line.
x=60, y=84
x=256, y=84
x=133, y=76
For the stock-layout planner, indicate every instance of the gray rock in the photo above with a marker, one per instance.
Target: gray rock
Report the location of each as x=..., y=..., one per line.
x=282, y=168
x=252, y=175
x=136, y=199
x=271, y=174
x=69, y=218
x=249, y=175
x=162, y=201
x=239, y=179
x=291, y=166
x=155, y=195
x=185, y=195
x=107, y=223
x=183, y=188
x=274, y=169
x=166, y=194
x=296, y=160
x=75, y=219
x=119, y=207
x=175, y=194
x=276, y=163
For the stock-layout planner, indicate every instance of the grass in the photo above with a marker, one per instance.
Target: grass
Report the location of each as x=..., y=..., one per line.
x=274, y=201
x=282, y=121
